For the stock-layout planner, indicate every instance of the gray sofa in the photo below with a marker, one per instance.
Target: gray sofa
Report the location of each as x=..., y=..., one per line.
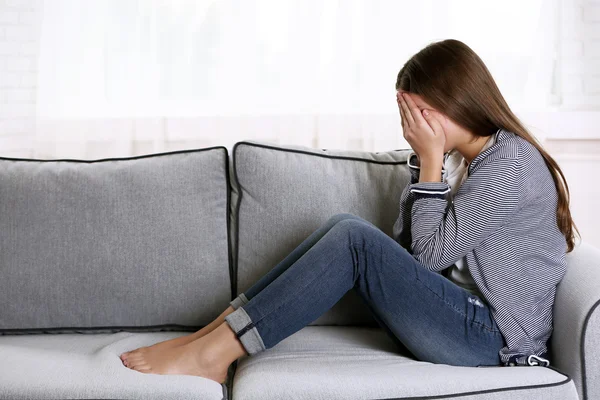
x=98, y=257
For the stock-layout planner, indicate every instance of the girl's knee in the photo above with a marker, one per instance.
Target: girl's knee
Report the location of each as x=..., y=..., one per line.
x=355, y=225
x=340, y=217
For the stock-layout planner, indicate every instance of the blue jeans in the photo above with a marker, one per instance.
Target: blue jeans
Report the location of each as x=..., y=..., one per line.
x=435, y=319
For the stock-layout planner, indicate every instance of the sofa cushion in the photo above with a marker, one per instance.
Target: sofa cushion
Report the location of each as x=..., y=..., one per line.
x=75, y=366
x=281, y=194
x=333, y=362
x=107, y=245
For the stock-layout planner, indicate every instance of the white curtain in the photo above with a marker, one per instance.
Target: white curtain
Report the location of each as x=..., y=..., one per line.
x=126, y=77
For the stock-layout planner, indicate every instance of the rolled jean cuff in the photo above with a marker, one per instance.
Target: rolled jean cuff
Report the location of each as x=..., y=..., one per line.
x=238, y=301
x=246, y=332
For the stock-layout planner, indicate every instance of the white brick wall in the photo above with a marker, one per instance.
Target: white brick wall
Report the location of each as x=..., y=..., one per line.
x=20, y=22
x=579, y=66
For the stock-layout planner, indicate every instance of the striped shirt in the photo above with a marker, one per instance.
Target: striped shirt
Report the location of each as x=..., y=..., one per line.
x=502, y=220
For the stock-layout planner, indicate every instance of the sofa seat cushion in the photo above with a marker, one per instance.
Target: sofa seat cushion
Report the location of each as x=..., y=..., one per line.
x=333, y=362
x=60, y=366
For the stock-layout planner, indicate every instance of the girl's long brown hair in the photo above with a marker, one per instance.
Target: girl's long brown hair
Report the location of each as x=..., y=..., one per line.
x=450, y=76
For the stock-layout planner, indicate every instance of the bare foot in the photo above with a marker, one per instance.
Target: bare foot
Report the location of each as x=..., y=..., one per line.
x=188, y=359
x=180, y=341
x=168, y=344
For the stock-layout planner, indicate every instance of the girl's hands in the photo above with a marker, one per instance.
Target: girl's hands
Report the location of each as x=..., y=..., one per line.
x=423, y=132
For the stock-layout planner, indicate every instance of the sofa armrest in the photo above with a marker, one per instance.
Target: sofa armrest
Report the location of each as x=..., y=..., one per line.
x=576, y=337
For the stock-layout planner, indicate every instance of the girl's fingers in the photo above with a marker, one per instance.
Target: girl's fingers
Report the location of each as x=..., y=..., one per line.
x=413, y=110
x=405, y=126
x=401, y=115
x=400, y=109
x=399, y=106
x=407, y=115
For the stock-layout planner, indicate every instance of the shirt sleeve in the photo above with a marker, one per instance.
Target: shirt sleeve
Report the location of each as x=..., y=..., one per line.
x=444, y=231
x=401, y=231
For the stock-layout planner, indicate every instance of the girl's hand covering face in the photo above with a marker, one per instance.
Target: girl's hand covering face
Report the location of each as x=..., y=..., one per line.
x=422, y=131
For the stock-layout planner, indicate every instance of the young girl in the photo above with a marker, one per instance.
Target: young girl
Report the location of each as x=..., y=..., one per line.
x=470, y=274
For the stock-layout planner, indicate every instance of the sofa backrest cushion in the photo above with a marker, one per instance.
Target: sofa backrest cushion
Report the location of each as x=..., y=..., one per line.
x=283, y=193
x=137, y=243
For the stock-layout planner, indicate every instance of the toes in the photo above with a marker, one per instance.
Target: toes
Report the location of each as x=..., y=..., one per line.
x=136, y=356
x=133, y=352
x=128, y=360
x=132, y=363
x=135, y=360
x=128, y=354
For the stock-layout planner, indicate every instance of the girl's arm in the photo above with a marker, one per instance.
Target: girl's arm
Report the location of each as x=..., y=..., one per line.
x=401, y=231
x=486, y=200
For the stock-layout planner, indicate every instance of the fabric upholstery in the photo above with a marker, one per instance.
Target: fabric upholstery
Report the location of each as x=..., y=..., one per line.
x=87, y=366
x=140, y=244
x=281, y=194
x=335, y=362
x=114, y=244
x=576, y=337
